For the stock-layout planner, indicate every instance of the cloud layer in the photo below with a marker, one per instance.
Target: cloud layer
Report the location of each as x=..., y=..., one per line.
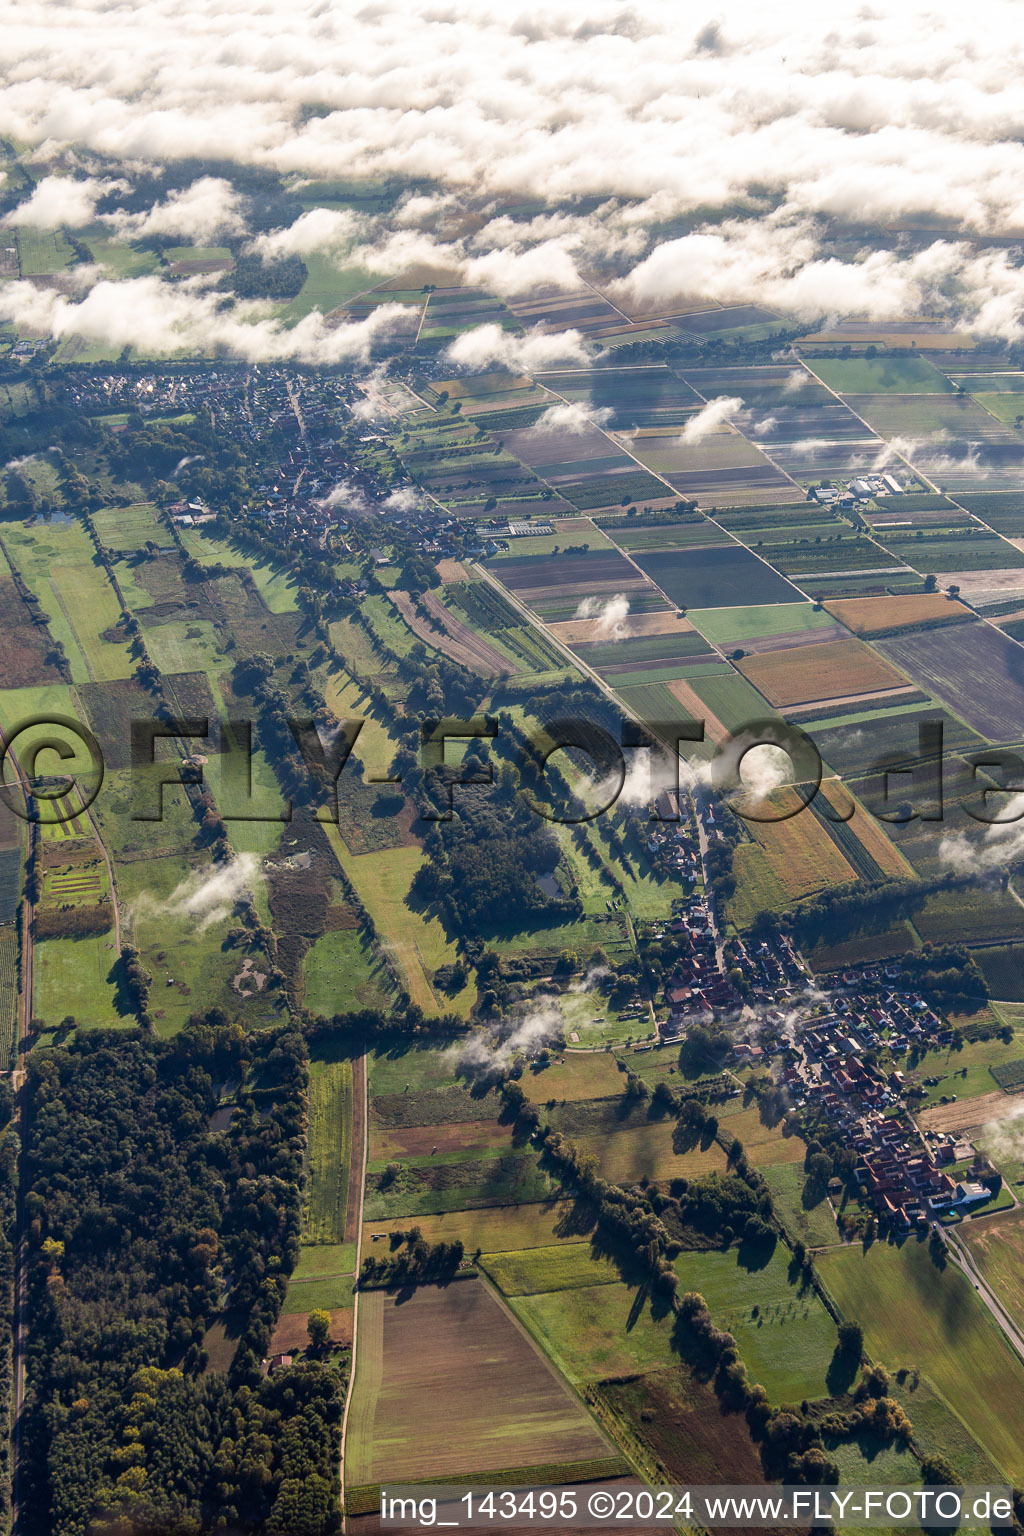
x=843, y=151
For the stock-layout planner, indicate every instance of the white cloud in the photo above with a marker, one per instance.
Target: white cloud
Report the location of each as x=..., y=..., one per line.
x=612, y=615
x=710, y=417
x=798, y=120
x=572, y=418
x=208, y=210
x=318, y=229
x=208, y=896
x=57, y=201
x=488, y=346
x=162, y=318
x=1001, y=846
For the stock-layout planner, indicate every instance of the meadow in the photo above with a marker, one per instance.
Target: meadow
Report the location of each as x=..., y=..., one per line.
x=330, y=1151
x=595, y=1331
x=918, y=1315
x=731, y=626
x=785, y=1337
x=528, y=1271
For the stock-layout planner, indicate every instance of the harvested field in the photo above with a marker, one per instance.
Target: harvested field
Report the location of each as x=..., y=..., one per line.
x=451, y=571
x=503, y=1404
x=417, y=1141
x=979, y=1109
x=450, y=635
x=586, y=631
x=978, y=672
x=836, y=669
x=880, y=615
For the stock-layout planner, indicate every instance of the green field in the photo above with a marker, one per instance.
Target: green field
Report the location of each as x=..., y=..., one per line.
x=333, y=1293
x=915, y=1314
x=527, y=1271
x=43, y=251
x=187, y=959
x=417, y=943
x=731, y=699
x=330, y=1150
x=812, y=1224
x=341, y=974
x=72, y=978
x=728, y=626
x=597, y=1331
x=998, y=1250
x=880, y=375
x=327, y=285
x=784, y=1335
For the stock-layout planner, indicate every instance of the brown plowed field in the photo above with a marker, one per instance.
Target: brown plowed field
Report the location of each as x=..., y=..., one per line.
x=503, y=1405
x=839, y=668
x=980, y=1109
x=873, y=615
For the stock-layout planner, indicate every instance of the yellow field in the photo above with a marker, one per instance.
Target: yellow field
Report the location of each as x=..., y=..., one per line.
x=836, y=669
x=870, y=615
x=885, y=853
x=802, y=856
x=494, y=1229
x=577, y=1075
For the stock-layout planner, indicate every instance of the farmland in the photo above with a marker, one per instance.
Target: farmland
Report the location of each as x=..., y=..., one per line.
x=867, y=616
x=720, y=576
x=836, y=669
x=888, y=375
x=915, y=1314
x=594, y=1331
x=997, y=1246
x=980, y=677
x=504, y=1406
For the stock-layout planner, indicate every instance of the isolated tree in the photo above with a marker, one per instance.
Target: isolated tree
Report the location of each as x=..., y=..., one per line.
x=318, y=1326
